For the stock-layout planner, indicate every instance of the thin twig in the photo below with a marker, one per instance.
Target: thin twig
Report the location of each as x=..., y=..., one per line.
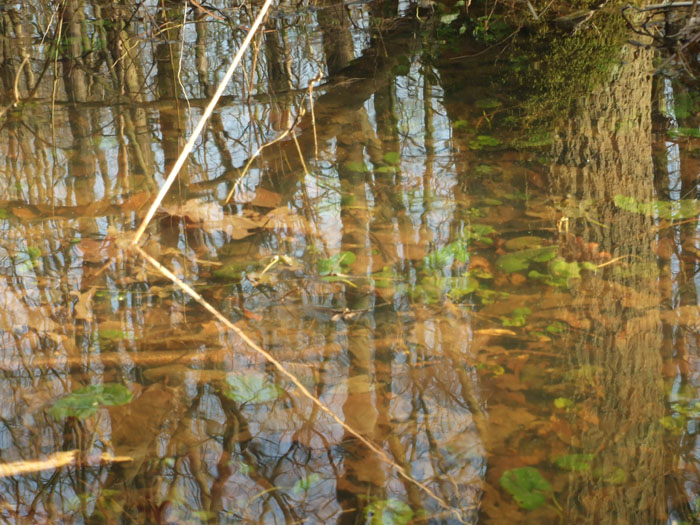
x=296, y=143
x=298, y=384
x=200, y=125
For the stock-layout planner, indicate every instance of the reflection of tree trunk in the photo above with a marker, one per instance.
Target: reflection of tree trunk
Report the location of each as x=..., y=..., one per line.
x=337, y=39
x=129, y=81
x=172, y=121
x=75, y=79
x=357, y=482
x=602, y=151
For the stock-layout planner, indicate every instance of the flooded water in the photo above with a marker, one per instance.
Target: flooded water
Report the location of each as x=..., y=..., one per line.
x=478, y=248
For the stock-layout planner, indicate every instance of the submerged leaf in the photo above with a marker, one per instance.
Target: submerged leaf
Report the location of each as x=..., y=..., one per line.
x=484, y=141
x=521, y=260
x=523, y=243
x=336, y=263
x=527, y=486
x=680, y=209
x=85, y=401
x=517, y=318
x=575, y=462
x=389, y=512
x=250, y=388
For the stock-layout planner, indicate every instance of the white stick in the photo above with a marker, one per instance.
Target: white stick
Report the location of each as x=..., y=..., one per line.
x=200, y=125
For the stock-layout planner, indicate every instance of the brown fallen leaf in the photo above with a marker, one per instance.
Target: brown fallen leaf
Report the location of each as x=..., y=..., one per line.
x=260, y=197
x=25, y=213
x=195, y=210
x=210, y=217
x=285, y=219
x=136, y=201
x=83, y=308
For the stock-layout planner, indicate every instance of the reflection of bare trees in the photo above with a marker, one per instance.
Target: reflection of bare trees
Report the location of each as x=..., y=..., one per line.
x=78, y=310
x=101, y=117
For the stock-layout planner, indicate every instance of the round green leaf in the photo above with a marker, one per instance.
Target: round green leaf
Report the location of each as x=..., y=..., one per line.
x=527, y=486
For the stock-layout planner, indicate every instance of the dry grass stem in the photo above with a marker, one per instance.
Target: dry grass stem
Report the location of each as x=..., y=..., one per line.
x=54, y=461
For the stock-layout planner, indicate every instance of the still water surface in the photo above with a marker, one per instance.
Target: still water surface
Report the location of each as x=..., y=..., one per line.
x=502, y=298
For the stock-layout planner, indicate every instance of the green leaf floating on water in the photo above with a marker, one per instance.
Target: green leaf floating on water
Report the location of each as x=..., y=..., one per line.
x=84, y=402
x=337, y=263
x=388, y=512
x=575, y=462
x=250, y=388
x=521, y=260
x=527, y=486
x=680, y=209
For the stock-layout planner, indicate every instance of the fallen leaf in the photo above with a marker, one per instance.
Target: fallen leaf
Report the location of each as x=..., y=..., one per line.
x=135, y=201
x=260, y=197
x=83, y=308
x=195, y=210
x=24, y=213
x=285, y=219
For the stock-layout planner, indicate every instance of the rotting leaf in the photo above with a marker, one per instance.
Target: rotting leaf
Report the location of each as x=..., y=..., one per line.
x=527, y=486
x=252, y=388
x=85, y=401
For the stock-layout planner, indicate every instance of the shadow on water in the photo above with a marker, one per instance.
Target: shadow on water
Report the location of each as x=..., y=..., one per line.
x=478, y=247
